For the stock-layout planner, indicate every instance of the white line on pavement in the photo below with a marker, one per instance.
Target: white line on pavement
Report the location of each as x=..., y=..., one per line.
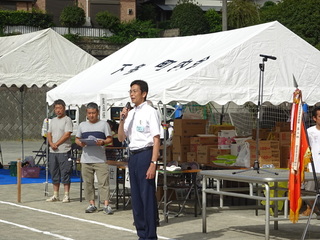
x=75, y=218
x=36, y=230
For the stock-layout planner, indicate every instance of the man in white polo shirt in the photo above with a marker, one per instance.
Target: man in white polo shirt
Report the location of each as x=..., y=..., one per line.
x=142, y=127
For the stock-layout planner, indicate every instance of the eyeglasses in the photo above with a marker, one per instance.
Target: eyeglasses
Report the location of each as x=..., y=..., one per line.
x=133, y=91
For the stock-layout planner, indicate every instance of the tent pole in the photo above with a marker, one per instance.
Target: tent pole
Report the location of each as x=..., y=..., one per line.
x=46, y=192
x=164, y=153
x=22, y=124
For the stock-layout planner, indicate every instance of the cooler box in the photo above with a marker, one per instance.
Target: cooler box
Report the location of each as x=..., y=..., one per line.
x=30, y=172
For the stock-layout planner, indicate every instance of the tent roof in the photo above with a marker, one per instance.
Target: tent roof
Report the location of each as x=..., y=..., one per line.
x=220, y=67
x=40, y=58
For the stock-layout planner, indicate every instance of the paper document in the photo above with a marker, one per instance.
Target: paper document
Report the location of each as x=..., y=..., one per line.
x=90, y=141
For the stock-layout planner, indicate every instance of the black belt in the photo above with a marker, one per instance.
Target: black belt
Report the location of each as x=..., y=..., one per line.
x=132, y=152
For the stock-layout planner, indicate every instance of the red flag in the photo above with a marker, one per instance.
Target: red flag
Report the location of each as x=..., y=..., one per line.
x=299, y=156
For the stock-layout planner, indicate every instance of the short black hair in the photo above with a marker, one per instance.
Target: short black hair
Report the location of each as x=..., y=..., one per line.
x=315, y=110
x=143, y=86
x=92, y=105
x=59, y=102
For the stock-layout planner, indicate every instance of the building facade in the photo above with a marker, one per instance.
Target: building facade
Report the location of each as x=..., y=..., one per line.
x=125, y=10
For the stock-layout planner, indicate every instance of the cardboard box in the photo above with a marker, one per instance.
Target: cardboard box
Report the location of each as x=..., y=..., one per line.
x=263, y=144
x=263, y=133
x=203, y=153
x=284, y=156
x=180, y=140
x=282, y=127
x=191, y=156
x=204, y=140
x=214, y=129
x=179, y=153
x=284, y=138
x=225, y=138
x=216, y=152
x=30, y=172
x=189, y=127
x=266, y=157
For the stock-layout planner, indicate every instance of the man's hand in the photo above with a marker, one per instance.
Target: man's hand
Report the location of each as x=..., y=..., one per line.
x=100, y=142
x=54, y=146
x=151, y=173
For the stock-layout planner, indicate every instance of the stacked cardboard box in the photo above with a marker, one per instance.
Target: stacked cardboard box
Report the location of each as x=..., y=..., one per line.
x=269, y=152
x=215, y=129
x=283, y=135
x=225, y=138
x=264, y=133
x=184, y=129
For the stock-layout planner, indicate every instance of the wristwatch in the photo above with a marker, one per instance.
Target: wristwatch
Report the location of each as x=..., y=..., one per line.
x=154, y=162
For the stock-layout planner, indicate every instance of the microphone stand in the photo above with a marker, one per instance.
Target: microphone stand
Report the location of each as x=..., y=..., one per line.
x=256, y=165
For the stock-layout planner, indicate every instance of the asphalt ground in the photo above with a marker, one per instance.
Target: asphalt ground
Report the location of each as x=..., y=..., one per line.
x=34, y=218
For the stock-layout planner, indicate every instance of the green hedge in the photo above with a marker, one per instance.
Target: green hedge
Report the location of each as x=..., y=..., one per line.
x=33, y=19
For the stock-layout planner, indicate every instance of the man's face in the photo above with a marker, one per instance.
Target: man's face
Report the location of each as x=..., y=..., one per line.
x=137, y=97
x=59, y=110
x=92, y=115
x=317, y=118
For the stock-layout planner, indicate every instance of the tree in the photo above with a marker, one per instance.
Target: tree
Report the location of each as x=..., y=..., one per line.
x=215, y=20
x=147, y=12
x=189, y=18
x=72, y=16
x=242, y=13
x=300, y=16
x=107, y=21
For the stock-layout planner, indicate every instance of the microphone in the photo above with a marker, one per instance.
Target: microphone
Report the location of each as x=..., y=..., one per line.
x=128, y=106
x=270, y=57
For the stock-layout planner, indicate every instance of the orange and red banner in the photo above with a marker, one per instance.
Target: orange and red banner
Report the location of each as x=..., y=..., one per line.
x=299, y=156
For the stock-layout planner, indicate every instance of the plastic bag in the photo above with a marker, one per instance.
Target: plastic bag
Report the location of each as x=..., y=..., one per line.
x=243, y=158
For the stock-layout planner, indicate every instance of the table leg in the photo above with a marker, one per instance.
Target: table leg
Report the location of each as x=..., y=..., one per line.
x=124, y=188
x=275, y=211
x=267, y=210
x=204, y=205
x=117, y=188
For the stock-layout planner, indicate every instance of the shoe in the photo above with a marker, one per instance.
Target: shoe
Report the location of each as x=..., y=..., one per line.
x=53, y=199
x=107, y=210
x=91, y=209
x=66, y=199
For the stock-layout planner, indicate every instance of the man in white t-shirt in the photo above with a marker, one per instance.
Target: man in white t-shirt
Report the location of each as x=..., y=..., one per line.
x=314, y=141
x=60, y=163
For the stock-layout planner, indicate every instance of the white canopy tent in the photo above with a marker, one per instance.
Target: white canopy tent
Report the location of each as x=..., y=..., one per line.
x=220, y=67
x=42, y=58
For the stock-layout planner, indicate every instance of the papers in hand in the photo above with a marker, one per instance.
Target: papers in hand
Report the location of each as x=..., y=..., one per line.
x=90, y=141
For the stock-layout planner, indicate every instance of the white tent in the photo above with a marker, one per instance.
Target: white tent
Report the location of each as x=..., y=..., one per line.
x=219, y=67
x=42, y=58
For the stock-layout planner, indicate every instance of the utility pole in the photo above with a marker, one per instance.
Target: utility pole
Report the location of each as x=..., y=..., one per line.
x=224, y=15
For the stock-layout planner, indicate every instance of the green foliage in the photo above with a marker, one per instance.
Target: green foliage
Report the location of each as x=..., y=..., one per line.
x=107, y=20
x=72, y=16
x=189, y=18
x=72, y=37
x=129, y=31
x=300, y=16
x=33, y=19
x=269, y=12
x=242, y=13
x=215, y=20
x=148, y=12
